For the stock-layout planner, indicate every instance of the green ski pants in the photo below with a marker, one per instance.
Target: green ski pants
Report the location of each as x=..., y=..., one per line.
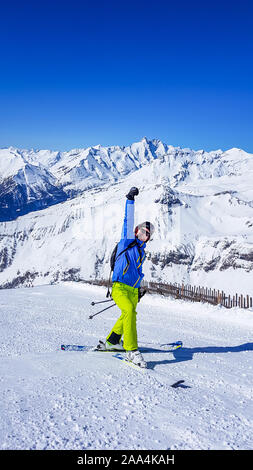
x=126, y=297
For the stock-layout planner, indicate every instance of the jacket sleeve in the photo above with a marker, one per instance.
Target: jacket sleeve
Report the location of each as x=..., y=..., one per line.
x=128, y=224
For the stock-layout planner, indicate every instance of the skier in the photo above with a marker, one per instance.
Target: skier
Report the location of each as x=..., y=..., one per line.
x=127, y=277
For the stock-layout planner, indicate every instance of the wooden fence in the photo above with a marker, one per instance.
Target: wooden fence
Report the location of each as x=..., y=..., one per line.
x=193, y=293
x=201, y=294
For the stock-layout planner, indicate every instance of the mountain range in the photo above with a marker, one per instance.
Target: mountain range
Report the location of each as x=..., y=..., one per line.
x=61, y=213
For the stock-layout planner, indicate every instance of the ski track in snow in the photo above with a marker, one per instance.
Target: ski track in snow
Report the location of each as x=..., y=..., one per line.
x=53, y=399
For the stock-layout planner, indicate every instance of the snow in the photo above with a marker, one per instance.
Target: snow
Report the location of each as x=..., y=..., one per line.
x=53, y=399
x=199, y=202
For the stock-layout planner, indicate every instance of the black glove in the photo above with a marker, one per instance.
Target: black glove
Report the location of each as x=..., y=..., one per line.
x=133, y=192
x=141, y=293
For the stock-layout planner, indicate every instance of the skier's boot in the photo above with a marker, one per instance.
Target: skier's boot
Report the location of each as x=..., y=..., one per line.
x=136, y=358
x=114, y=347
x=107, y=346
x=114, y=343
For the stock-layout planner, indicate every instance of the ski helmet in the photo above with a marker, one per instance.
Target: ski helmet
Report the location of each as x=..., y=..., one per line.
x=148, y=226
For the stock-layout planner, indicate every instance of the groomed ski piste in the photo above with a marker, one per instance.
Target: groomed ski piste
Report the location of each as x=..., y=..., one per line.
x=53, y=399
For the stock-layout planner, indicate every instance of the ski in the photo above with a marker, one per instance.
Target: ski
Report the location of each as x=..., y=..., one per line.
x=168, y=347
x=74, y=347
x=81, y=348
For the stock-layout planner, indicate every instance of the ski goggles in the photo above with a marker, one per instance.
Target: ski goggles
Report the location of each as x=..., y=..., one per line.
x=145, y=231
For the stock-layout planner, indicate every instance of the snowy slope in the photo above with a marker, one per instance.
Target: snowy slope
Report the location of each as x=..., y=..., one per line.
x=51, y=399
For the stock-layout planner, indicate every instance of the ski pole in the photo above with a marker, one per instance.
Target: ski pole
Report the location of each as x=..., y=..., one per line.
x=101, y=302
x=94, y=314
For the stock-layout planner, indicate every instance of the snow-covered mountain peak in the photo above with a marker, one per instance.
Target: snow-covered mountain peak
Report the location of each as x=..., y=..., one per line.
x=236, y=154
x=11, y=161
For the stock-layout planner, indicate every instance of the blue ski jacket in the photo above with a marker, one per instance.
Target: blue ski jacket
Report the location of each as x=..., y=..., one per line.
x=128, y=265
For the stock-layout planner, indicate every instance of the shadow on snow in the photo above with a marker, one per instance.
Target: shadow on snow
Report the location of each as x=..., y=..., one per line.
x=186, y=354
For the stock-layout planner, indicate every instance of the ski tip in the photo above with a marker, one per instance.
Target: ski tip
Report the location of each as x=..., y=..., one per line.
x=172, y=346
x=177, y=384
x=177, y=344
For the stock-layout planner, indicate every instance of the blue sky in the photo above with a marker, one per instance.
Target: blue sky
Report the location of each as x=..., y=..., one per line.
x=75, y=74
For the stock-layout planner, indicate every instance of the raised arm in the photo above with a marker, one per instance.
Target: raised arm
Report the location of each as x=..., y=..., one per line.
x=128, y=224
